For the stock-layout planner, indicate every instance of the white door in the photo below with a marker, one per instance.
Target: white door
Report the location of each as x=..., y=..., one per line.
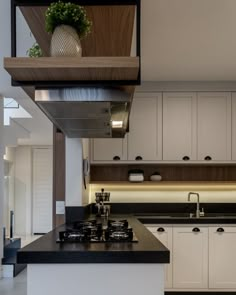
x=145, y=128
x=109, y=149
x=222, y=257
x=214, y=126
x=190, y=257
x=164, y=234
x=42, y=190
x=234, y=126
x=179, y=126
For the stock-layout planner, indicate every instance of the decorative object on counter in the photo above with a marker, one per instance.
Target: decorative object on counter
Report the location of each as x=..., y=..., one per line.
x=156, y=177
x=35, y=51
x=68, y=24
x=202, y=213
x=136, y=175
x=100, y=198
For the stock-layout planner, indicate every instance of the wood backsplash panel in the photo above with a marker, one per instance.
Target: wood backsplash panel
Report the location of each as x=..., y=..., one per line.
x=58, y=174
x=168, y=172
x=111, y=32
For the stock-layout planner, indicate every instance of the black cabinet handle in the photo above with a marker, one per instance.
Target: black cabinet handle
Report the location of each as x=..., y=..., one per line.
x=116, y=158
x=220, y=230
x=138, y=158
x=186, y=158
x=160, y=229
x=196, y=230
x=208, y=158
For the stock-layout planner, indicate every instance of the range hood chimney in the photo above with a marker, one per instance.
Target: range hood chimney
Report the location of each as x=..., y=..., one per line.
x=87, y=112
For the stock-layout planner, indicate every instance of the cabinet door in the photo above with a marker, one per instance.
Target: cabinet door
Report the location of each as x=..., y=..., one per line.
x=214, y=126
x=190, y=257
x=222, y=257
x=234, y=126
x=145, y=129
x=108, y=149
x=164, y=234
x=179, y=126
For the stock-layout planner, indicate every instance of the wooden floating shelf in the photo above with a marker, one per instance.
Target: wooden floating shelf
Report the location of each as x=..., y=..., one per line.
x=72, y=68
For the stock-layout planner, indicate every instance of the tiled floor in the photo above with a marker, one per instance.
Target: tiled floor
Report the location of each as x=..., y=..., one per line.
x=17, y=285
x=14, y=286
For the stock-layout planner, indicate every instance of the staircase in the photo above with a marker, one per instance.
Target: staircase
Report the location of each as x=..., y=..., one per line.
x=10, y=266
x=13, y=127
x=14, y=131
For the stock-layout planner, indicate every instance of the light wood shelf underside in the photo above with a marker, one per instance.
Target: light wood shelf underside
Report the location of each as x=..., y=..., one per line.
x=72, y=68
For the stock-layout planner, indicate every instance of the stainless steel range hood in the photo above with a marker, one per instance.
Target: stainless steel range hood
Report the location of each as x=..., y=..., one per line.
x=87, y=112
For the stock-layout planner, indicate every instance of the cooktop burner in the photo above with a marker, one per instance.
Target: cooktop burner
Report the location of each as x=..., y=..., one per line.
x=92, y=231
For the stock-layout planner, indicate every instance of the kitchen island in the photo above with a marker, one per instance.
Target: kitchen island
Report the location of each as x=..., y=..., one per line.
x=104, y=268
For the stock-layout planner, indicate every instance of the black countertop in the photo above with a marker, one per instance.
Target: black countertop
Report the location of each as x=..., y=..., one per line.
x=183, y=218
x=148, y=249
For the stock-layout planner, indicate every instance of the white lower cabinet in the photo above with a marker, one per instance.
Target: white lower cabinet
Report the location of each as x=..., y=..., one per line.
x=222, y=257
x=164, y=234
x=190, y=257
x=202, y=257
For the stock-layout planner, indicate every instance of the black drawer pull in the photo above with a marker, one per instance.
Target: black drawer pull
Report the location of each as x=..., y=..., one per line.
x=116, y=158
x=220, y=230
x=208, y=158
x=138, y=158
x=186, y=158
x=160, y=229
x=196, y=230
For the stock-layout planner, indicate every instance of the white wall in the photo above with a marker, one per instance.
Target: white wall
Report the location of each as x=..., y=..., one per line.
x=1, y=182
x=23, y=190
x=9, y=185
x=74, y=170
x=77, y=149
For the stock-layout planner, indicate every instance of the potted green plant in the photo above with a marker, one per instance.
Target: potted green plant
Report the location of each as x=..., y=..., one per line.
x=35, y=51
x=68, y=23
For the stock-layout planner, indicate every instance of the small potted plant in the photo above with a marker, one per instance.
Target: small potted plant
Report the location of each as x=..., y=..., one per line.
x=68, y=23
x=35, y=51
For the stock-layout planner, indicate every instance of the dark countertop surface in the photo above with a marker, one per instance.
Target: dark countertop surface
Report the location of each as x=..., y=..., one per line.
x=183, y=218
x=148, y=249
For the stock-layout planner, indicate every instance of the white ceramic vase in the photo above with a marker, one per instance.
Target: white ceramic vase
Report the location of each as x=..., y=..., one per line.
x=65, y=42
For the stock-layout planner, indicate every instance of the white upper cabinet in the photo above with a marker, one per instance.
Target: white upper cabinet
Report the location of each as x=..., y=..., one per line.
x=234, y=126
x=222, y=257
x=214, y=126
x=145, y=128
x=179, y=126
x=109, y=149
x=190, y=257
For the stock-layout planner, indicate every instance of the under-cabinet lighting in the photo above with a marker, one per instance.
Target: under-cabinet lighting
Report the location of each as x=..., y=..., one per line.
x=117, y=124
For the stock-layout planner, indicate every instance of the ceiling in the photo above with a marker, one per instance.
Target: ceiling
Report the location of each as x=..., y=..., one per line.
x=182, y=40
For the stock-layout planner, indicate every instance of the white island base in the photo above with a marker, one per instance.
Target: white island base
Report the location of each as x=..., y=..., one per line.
x=99, y=279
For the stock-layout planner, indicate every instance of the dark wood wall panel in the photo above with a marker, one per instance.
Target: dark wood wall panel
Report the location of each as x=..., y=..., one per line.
x=168, y=172
x=58, y=174
x=111, y=32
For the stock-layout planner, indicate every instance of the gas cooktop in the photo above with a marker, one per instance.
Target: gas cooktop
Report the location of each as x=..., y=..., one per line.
x=91, y=231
